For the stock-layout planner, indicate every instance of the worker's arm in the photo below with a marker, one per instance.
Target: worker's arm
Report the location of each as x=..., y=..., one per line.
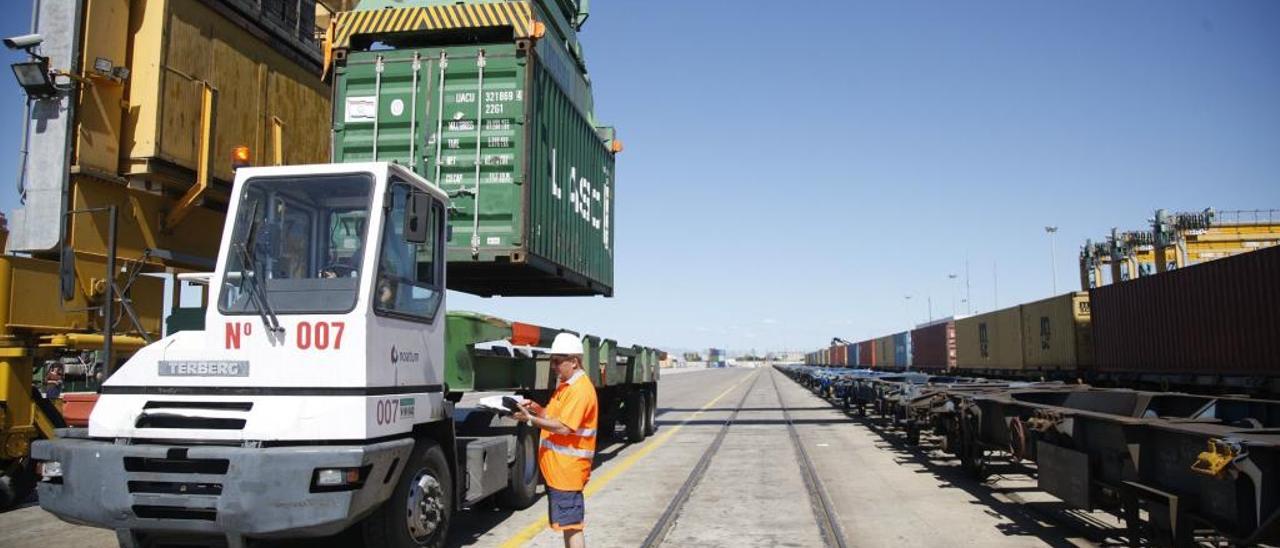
x=551, y=425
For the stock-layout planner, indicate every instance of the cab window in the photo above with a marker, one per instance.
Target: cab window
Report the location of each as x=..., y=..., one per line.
x=410, y=275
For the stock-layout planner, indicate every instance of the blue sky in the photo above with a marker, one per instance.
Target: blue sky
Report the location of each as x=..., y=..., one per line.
x=792, y=172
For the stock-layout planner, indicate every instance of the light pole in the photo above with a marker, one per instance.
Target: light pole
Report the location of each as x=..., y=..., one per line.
x=906, y=306
x=1053, y=258
x=968, y=297
x=954, y=288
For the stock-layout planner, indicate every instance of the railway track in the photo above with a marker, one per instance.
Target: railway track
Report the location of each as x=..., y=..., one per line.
x=820, y=502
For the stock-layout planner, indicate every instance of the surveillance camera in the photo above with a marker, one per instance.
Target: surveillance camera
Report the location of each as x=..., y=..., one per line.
x=26, y=41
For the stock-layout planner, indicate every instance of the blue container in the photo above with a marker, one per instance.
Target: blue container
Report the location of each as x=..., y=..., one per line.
x=853, y=355
x=902, y=349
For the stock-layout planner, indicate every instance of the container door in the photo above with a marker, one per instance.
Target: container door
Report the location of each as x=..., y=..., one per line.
x=456, y=116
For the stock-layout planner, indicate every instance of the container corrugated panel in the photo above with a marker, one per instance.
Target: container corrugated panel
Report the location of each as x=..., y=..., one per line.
x=990, y=341
x=867, y=353
x=934, y=346
x=884, y=352
x=902, y=349
x=1216, y=318
x=1056, y=333
x=540, y=221
x=854, y=358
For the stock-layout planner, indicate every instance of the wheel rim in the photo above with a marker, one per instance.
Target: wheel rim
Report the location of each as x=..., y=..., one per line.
x=425, y=506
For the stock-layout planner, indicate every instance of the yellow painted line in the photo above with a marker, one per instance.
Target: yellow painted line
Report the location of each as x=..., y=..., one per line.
x=533, y=529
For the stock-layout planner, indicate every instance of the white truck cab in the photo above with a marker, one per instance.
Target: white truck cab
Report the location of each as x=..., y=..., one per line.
x=313, y=400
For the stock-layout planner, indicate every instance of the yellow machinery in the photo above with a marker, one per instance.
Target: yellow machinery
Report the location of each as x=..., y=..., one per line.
x=1177, y=240
x=1125, y=255
x=135, y=108
x=1183, y=239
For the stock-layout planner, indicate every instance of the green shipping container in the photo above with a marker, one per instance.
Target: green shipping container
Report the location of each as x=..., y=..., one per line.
x=514, y=117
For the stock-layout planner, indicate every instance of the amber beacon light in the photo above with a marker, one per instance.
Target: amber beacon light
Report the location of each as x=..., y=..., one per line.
x=240, y=157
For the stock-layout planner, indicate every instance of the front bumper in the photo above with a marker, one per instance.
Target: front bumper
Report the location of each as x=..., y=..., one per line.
x=233, y=492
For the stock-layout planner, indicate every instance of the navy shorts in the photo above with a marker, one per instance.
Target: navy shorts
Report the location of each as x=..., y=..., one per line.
x=565, y=509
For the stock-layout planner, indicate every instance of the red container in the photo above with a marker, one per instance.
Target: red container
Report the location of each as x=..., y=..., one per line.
x=934, y=346
x=76, y=407
x=839, y=355
x=867, y=353
x=1216, y=318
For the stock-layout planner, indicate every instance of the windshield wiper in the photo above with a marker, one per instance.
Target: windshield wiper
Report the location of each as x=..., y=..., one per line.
x=257, y=293
x=249, y=273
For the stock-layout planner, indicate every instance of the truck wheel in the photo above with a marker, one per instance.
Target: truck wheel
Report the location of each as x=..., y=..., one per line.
x=17, y=483
x=420, y=508
x=522, y=481
x=651, y=413
x=635, y=417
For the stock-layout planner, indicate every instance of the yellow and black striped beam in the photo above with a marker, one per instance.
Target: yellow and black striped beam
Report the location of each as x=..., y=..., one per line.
x=515, y=14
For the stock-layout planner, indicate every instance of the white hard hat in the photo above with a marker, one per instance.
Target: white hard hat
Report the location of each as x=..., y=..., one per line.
x=567, y=344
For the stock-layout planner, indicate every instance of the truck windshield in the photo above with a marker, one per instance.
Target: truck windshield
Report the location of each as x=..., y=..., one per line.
x=296, y=245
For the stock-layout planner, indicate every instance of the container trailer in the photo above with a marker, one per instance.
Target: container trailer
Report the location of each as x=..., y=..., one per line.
x=1179, y=469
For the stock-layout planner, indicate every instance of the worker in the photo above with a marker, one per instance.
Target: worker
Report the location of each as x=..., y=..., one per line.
x=53, y=382
x=568, y=439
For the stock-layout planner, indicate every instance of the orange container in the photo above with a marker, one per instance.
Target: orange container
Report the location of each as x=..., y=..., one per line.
x=76, y=407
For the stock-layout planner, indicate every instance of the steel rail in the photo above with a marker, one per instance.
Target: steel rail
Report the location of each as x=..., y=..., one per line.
x=668, y=518
x=819, y=501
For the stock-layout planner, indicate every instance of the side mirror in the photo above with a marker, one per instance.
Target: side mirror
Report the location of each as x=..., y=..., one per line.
x=417, y=218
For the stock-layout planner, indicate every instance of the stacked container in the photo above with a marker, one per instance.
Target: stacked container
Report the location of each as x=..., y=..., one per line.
x=902, y=349
x=867, y=353
x=933, y=346
x=839, y=355
x=884, y=352
x=990, y=341
x=1216, y=318
x=1056, y=333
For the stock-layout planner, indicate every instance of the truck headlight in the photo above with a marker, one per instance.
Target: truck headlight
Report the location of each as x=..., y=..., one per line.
x=338, y=479
x=49, y=470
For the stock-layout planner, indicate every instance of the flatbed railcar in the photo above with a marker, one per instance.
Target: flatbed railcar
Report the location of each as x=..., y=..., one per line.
x=1198, y=467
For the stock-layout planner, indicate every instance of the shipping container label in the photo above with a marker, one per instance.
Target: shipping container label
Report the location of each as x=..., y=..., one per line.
x=590, y=201
x=361, y=109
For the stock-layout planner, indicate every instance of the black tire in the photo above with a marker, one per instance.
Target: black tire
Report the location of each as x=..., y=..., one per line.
x=651, y=412
x=389, y=525
x=17, y=483
x=635, y=417
x=522, y=481
x=913, y=434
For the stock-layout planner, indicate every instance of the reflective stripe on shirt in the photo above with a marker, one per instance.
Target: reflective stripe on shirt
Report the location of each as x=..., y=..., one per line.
x=585, y=433
x=570, y=451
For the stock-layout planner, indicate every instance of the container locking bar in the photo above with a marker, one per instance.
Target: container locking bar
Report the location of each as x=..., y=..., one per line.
x=475, y=207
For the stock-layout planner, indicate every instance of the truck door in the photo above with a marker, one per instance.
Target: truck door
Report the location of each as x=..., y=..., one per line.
x=408, y=290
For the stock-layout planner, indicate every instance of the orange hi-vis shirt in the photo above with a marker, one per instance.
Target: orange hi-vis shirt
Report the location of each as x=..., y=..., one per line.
x=565, y=459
